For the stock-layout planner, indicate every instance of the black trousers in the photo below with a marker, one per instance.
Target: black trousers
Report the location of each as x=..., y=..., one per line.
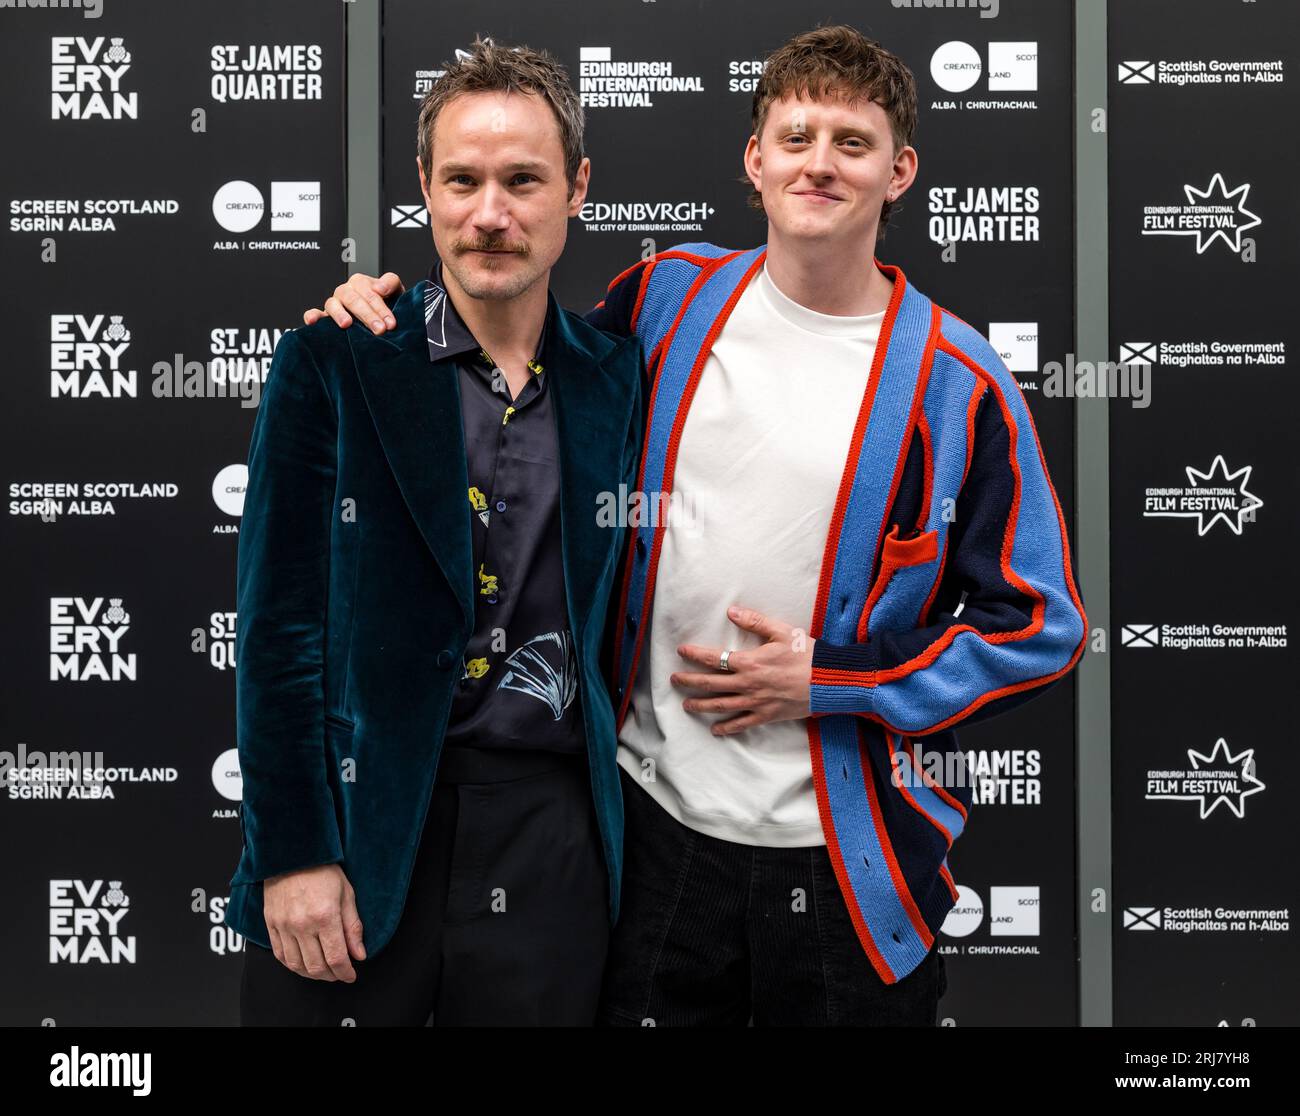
x=506, y=921
x=714, y=933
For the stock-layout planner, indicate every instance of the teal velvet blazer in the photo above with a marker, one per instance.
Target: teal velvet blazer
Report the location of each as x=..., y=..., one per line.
x=355, y=594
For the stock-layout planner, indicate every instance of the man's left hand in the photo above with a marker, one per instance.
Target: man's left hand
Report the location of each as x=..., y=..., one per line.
x=768, y=683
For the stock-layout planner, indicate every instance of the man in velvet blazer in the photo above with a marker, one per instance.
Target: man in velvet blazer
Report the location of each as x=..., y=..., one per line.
x=353, y=626
x=358, y=590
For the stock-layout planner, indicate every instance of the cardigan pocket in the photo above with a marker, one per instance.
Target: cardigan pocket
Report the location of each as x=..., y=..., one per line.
x=921, y=547
x=908, y=568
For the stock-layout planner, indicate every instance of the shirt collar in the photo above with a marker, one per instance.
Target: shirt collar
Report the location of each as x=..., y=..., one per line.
x=447, y=333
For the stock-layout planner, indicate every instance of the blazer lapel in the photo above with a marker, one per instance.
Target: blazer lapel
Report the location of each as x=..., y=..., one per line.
x=415, y=404
x=592, y=405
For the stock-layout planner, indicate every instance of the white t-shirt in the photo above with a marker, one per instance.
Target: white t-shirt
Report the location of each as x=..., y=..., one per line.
x=758, y=470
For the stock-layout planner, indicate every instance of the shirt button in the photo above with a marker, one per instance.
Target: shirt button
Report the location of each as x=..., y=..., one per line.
x=501, y=505
x=491, y=600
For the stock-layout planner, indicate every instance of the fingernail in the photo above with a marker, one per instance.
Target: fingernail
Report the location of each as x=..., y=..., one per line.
x=376, y=324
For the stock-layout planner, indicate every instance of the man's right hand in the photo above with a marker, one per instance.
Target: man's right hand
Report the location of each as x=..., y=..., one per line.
x=362, y=295
x=311, y=916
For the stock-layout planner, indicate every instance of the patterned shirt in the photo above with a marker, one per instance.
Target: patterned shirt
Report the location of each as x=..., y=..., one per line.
x=519, y=681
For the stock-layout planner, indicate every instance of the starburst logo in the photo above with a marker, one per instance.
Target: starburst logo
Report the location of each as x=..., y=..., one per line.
x=1220, y=778
x=1210, y=496
x=1209, y=214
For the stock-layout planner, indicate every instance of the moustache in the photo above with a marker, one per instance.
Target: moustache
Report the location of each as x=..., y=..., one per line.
x=493, y=246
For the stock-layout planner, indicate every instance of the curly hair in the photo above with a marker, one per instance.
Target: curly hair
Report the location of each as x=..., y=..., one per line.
x=841, y=62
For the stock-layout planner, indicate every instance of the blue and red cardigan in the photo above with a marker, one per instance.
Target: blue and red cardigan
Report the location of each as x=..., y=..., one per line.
x=946, y=592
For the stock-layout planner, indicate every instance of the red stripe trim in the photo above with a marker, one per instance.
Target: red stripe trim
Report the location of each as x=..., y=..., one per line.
x=1065, y=536
x=648, y=266
x=707, y=271
x=837, y=857
x=655, y=354
x=941, y=791
x=947, y=878
x=928, y=781
x=855, y=448
x=641, y=290
x=658, y=257
x=882, y=835
x=927, y=467
x=625, y=273
x=884, y=575
x=944, y=874
x=972, y=405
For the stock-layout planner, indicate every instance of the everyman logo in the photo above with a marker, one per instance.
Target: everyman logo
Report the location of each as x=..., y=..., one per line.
x=86, y=357
x=86, y=638
x=86, y=79
x=86, y=923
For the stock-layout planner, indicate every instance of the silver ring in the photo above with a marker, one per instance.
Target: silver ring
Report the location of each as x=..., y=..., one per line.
x=722, y=661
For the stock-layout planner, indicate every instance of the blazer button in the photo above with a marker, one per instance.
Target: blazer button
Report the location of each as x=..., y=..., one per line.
x=445, y=659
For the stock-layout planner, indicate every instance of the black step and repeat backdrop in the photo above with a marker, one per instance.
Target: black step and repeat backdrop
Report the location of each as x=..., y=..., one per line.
x=174, y=195
x=1203, y=247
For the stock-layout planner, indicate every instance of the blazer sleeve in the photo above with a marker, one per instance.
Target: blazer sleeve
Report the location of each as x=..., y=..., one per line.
x=631, y=468
x=284, y=544
x=1016, y=632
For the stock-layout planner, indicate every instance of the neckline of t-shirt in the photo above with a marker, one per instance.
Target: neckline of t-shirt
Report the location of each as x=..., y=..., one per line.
x=827, y=325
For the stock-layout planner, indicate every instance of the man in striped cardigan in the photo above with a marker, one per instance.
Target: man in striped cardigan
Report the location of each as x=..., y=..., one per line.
x=852, y=546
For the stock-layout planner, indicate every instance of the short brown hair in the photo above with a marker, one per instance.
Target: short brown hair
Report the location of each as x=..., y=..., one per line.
x=841, y=62
x=489, y=68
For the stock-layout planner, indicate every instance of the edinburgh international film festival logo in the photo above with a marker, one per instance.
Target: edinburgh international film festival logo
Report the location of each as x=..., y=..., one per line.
x=1214, y=213
x=1222, y=778
x=1209, y=497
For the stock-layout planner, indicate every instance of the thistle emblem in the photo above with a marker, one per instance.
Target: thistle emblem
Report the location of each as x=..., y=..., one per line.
x=115, y=896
